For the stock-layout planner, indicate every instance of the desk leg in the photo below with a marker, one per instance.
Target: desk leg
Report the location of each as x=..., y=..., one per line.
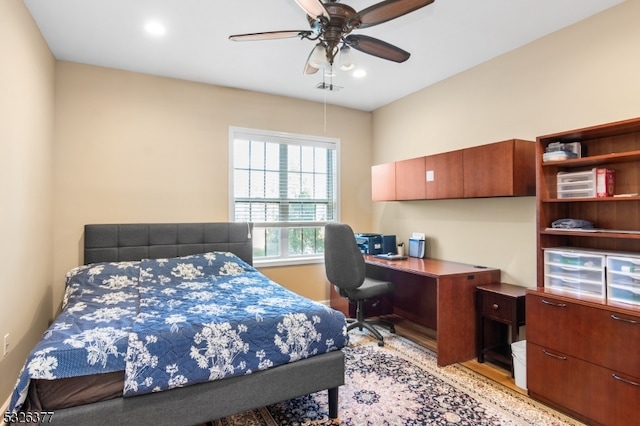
x=480, y=328
x=457, y=315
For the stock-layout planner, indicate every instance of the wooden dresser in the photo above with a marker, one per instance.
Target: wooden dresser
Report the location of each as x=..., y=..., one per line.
x=584, y=358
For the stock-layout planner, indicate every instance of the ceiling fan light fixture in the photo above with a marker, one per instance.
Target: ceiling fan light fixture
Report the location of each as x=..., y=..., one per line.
x=318, y=57
x=346, y=61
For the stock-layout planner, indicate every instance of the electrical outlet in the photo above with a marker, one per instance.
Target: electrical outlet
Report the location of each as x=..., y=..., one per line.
x=6, y=345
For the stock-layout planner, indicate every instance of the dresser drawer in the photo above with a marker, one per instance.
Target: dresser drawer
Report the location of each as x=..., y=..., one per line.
x=497, y=307
x=559, y=324
x=567, y=380
x=597, y=334
x=619, y=346
x=564, y=381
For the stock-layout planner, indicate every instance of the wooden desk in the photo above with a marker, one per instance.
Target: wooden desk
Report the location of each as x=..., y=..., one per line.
x=437, y=294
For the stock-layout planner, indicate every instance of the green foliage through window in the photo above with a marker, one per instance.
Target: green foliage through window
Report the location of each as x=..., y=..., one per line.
x=287, y=186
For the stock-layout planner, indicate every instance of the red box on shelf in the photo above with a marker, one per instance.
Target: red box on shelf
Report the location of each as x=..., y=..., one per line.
x=605, y=182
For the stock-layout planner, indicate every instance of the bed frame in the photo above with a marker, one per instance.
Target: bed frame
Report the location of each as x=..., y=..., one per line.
x=203, y=402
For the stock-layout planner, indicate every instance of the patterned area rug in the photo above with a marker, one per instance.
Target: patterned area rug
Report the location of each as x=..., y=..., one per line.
x=401, y=384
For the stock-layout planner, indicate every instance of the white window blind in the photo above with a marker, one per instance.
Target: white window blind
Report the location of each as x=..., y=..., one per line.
x=285, y=184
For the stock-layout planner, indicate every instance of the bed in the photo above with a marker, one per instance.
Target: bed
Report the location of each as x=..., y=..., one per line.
x=153, y=268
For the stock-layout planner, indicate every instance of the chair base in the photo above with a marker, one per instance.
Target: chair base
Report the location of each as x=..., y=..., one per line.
x=369, y=325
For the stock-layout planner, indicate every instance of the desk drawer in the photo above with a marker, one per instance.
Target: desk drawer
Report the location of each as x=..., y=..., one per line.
x=496, y=306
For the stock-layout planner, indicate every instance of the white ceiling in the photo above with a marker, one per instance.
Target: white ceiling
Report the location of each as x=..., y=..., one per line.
x=445, y=38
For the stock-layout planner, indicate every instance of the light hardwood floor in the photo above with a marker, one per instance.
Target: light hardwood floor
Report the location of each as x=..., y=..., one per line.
x=426, y=337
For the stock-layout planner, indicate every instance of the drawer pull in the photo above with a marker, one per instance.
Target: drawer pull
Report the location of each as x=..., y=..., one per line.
x=495, y=306
x=559, y=305
x=627, y=320
x=563, y=358
x=629, y=382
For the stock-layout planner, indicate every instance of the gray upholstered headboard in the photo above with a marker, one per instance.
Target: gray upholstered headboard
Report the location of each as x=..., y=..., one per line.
x=135, y=241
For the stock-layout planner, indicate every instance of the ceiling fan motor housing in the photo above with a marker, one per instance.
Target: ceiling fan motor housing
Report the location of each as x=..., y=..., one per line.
x=336, y=27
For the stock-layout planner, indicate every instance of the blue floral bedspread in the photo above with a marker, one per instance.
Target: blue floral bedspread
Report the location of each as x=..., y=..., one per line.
x=175, y=322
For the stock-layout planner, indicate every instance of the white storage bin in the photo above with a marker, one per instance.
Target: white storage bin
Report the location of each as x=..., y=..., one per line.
x=576, y=184
x=623, y=279
x=519, y=353
x=575, y=271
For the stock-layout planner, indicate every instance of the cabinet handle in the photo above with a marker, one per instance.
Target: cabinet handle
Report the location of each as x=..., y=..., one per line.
x=628, y=320
x=563, y=358
x=559, y=305
x=495, y=306
x=629, y=382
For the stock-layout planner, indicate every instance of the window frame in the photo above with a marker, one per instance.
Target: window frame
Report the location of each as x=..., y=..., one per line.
x=293, y=139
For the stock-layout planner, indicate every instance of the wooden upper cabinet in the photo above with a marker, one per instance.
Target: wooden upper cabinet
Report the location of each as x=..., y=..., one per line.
x=410, y=179
x=383, y=182
x=444, y=175
x=500, y=169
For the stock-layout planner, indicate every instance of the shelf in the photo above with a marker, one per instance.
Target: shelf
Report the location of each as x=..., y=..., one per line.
x=590, y=199
x=595, y=160
x=597, y=233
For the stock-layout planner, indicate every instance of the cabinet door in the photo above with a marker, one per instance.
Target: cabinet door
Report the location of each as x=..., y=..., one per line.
x=410, y=179
x=383, y=182
x=500, y=169
x=444, y=175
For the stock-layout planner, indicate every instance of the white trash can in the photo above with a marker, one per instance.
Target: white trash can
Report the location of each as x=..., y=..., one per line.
x=519, y=352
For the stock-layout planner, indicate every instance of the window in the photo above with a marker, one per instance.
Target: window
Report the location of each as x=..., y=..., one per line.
x=287, y=185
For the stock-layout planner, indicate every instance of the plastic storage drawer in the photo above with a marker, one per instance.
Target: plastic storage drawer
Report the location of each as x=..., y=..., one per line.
x=623, y=279
x=575, y=271
x=577, y=184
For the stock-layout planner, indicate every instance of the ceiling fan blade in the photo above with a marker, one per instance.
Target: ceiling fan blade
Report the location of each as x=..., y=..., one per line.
x=386, y=11
x=270, y=35
x=313, y=8
x=376, y=47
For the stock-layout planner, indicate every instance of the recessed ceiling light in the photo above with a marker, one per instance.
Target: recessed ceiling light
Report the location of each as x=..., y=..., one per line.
x=155, y=28
x=359, y=73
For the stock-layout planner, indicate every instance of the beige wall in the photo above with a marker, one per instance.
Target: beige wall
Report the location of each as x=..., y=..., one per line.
x=26, y=162
x=584, y=75
x=137, y=148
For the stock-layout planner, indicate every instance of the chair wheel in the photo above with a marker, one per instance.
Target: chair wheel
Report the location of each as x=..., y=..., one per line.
x=380, y=343
x=392, y=330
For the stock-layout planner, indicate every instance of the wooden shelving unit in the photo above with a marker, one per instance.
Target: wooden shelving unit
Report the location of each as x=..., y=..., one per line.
x=582, y=352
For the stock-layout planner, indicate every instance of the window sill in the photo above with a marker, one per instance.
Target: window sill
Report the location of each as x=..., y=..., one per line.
x=266, y=263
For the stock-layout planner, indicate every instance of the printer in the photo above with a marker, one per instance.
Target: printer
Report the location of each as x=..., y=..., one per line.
x=369, y=243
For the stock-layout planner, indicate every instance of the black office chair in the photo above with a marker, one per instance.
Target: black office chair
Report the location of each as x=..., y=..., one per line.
x=345, y=269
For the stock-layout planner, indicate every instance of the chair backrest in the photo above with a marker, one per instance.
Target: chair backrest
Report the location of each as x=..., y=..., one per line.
x=343, y=261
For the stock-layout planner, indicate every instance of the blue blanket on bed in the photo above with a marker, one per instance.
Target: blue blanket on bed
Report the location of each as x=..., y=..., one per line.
x=174, y=322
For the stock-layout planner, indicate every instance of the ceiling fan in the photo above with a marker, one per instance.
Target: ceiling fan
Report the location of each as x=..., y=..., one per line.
x=332, y=23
